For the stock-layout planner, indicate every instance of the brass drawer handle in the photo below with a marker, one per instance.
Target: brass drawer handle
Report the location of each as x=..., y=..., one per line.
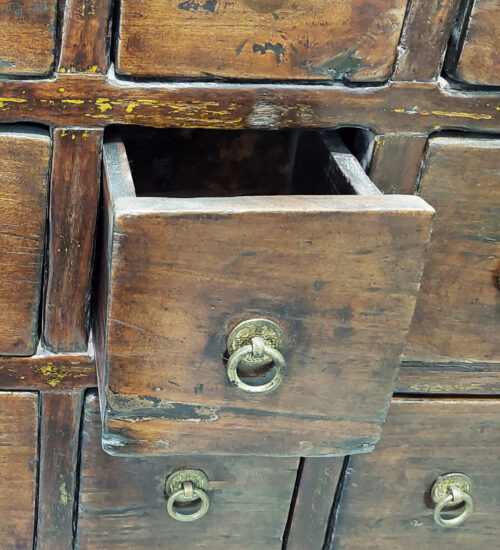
x=186, y=486
x=255, y=343
x=452, y=490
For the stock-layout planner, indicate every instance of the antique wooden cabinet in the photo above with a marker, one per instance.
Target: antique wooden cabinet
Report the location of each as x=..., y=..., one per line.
x=249, y=274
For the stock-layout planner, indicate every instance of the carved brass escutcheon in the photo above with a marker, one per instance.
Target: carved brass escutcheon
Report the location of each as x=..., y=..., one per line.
x=448, y=491
x=184, y=486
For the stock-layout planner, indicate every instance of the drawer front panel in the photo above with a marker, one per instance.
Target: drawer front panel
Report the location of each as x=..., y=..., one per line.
x=123, y=503
x=27, y=37
x=278, y=39
x=386, y=500
x=474, y=56
x=24, y=165
x=18, y=461
x=339, y=274
x=457, y=315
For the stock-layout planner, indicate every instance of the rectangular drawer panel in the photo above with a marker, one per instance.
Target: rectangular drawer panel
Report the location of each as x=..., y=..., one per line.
x=386, y=500
x=260, y=39
x=27, y=36
x=24, y=166
x=338, y=274
x=18, y=468
x=123, y=502
x=457, y=315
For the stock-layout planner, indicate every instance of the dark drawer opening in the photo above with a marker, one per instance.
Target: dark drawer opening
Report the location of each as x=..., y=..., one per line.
x=231, y=163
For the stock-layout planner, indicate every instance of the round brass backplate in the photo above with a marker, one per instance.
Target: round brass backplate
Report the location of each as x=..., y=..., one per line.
x=175, y=482
x=441, y=488
x=243, y=333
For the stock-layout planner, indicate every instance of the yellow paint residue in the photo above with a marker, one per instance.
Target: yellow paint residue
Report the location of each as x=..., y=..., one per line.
x=4, y=102
x=60, y=90
x=93, y=69
x=475, y=116
x=63, y=494
x=131, y=106
x=55, y=374
x=103, y=104
x=85, y=134
x=76, y=101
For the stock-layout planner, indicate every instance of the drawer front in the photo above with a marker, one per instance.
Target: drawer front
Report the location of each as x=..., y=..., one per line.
x=474, y=53
x=27, y=37
x=18, y=461
x=338, y=274
x=123, y=504
x=457, y=315
x=277, y=39
x=386, y=500
x=24, y=166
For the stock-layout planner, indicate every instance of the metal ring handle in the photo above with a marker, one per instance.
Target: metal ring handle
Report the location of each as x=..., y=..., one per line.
x=197, y=494
x=259, y=346
x=455, y=497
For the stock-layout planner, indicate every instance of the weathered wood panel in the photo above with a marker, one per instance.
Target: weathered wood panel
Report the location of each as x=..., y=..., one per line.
x=345, y=309
x=457, y=315
x=385, y=500
x=24, y=165
x=59, y=434
x=72, y=216
x=18, y=467
x=123, y=504
x=27, y=37
x=474, y=54
x=85, y=37
x=281, y=39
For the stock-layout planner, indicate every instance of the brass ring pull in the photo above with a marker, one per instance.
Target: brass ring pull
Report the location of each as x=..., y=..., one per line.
x=184, y=486
x=452, y=490
x=256, y=348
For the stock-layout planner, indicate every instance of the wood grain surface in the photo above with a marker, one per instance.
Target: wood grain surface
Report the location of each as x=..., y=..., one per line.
x=473, y=54
x=27, y=37
x=24, y=166
x=345, y=309
x=59, y=434
x=260, y=39
x=457, y=315
x=75, y=185
x=123, y=505
x=18, y=471
x=385, y=500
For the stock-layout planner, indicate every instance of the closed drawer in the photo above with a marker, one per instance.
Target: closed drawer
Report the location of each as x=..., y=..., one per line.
x=123, y=501
x=18, y=468
x=24, y=165
x=260, y=39
x=337, y=273
x=457, y=315
x=27, y=37
x=474, y=50
x=387, y=496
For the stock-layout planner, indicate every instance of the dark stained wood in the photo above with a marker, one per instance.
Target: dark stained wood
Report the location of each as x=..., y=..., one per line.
x=474, y=52
x=449, y=378
x=48, y=372
x=123, y=506
x=18, y=458
x=426, y=33
x=59, y=431
x=85, y=37
x=345, y=309
x=385, y=496
x=24, y=165
x=75, y=183
x=259, y=39
x=313, y=503
x=27, y=36
x=72, y=100
x=396, y=161
x=457, y=316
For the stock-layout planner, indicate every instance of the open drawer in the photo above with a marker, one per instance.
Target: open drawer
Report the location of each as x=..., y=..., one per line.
x=268, y=324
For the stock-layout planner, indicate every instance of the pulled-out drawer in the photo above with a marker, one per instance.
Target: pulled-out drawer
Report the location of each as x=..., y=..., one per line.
x=24, y=167
x=27, y=37
x=404, y=495
x=125, y=504
x=267, y=324
x=18, y=472
x=260, y=39
x=473, y=56
x=457, y=317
